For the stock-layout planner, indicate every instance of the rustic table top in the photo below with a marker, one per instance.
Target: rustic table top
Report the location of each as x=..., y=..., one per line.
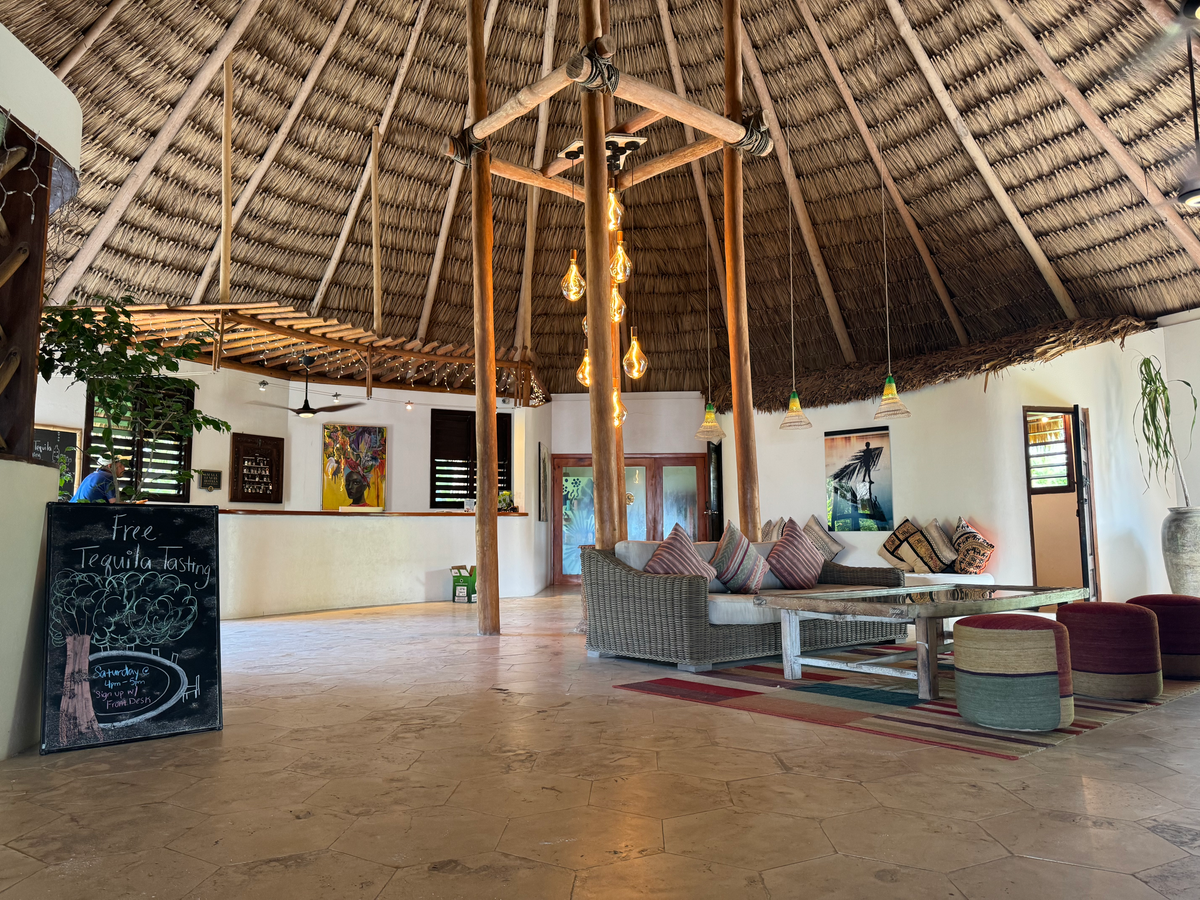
x=918, y=602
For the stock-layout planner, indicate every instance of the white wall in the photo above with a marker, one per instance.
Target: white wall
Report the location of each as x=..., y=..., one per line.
x=658, y=422
x=962, y=454
x=1181, y=339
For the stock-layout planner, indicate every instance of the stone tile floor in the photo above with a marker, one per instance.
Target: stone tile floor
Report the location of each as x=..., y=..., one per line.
x=393, y=754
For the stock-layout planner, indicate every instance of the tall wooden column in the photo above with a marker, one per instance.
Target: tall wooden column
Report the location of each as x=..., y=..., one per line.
x=735, y=296
x=487, y=474
x=599, y=287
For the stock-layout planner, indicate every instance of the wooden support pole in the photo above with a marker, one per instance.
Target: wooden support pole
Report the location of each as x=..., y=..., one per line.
x=277, y=142
x=600, y=349
x=737, y=315
x=370, y=372
x=67, y=63
x=835, y=73
x=534, y=178
x=11, y=159
x=487, y=494
x=807, y=232
x=376, y=264
x=219, y=346
x=668, y=161
x=227, y=181
x=132, y=185
x=12, y=262
x=975, y=152
x=1109, y=141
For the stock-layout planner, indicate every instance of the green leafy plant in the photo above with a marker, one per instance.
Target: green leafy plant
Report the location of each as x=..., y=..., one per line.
x=1152, y=416
x=131, y=379
x=66, y=470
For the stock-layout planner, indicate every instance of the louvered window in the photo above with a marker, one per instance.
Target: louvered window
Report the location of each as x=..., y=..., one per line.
x=452, y=459
x=162, y=463
x=1048, y=450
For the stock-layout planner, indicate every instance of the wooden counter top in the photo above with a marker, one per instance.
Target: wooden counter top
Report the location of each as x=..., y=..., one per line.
x=343, y=515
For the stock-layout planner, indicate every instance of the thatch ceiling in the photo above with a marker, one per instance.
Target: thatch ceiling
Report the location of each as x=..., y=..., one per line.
x=1109, y=246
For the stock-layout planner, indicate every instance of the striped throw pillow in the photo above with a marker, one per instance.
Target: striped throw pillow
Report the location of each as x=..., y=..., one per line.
x=738, y=565
x=677, y=556
x=794, y=560
x=822, y=539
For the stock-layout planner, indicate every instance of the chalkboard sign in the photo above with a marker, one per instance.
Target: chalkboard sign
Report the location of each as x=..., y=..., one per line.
x=133, y=645
x=49, y=443
x=255, y=468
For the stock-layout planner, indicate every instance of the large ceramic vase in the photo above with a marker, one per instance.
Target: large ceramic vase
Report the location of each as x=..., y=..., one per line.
x=1181, y=549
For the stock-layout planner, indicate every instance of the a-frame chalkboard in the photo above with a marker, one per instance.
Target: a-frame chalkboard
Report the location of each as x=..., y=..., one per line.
x=133, y=646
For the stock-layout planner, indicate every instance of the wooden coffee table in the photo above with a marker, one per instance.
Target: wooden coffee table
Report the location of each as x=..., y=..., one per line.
x=924, y=606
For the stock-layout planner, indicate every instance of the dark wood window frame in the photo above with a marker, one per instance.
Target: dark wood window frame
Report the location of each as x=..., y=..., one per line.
x=452, y=456
x=1067, y=414
x=183, y=492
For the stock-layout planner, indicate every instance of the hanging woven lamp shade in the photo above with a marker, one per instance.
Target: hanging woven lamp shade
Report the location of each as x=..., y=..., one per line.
x=795, y=418
x=711, y=429
x=890, y=406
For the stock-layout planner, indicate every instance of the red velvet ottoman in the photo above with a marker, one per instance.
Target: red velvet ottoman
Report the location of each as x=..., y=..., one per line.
x=1114, y=650
x=1178, y=632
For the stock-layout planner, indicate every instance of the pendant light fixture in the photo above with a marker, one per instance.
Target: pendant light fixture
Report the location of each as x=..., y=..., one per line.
x=584, y=373
x=616, y=305
x=635, y=362
x=795, y=418
x=710, y=429
x=573, y=284
x=1189, y=191
x=621, y=266
x=614, y=212
x=619, y=410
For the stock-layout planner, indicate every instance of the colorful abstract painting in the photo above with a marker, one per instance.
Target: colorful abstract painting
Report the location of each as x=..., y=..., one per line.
x=858, y=480
x=354, y=460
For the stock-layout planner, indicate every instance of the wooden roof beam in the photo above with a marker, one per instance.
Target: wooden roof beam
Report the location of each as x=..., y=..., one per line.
x=835, y=73
x=136, y=180
x=959, y=125
x=668, y=161
x=439, y=250
x=364, y=177
x=67, y=63
x=1109, y=141
x=799, y=207
x=534, y=178
x=277, y=142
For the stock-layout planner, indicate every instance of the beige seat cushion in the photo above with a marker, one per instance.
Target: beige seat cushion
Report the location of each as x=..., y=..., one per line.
x=739, y=609
x=913, y=578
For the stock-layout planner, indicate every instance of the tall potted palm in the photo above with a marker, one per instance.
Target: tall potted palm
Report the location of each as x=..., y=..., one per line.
x=1181, y=528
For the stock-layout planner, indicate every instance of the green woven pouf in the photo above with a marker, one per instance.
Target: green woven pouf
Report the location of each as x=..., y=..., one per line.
x=1013, y=672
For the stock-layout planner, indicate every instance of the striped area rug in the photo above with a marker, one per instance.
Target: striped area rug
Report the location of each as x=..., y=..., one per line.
x=877, y=704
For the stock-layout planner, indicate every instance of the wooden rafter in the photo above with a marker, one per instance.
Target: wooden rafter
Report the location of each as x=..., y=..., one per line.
x=668, y=161
x=959, y=125
x=67, y=63
x=385, y=119
x=145, y=166
x=277, y=142
x=534, y=178
x=835, y=73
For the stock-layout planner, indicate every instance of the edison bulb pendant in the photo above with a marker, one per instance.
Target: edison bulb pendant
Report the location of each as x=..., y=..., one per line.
x=621, y=266
x=615, y=211
x=617, y=305
x=635, y=362
x=573, y=284
x=619, y=410
x=585, y=326
x=584, y=373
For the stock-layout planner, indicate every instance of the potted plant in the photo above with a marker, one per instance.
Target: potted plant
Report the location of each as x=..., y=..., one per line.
x=1181, y=528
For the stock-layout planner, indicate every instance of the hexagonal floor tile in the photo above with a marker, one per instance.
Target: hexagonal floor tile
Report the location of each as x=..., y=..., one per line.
x=745, y=838
x=233, y=793
x=368, y=794
x=262, y=834
x=656, y=737
x=660, y=795
x=423, y=836
x=220, y=761
x=107, y=791
x=521, y=793
x=320, y=875
x=956, y=799
x=544, y=734
x=1181, y=828
x=848, y=765
x=666, y=876
x=1176, y=880
x=954, y=765
x=1105, y=765
x=720, y=763
x=800, y=795
x=851, y=878
x=470, y=762
x=1091, y=796
x=125, y=829
x=914, y=839
x=440, y=736
x=496, y=876
x=155, y=873
x=19, y=816
x=767, y=738
x=595, y=761
x=1018, y=876
x=582, y=837
x=16, y=867
x=380, y=760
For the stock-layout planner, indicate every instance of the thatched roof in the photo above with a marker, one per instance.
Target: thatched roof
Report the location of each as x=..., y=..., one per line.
x=1109, y=246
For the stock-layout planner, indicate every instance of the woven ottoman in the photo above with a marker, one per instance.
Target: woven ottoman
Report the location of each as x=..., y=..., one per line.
x=1178, y=632
x=1114, y=650
x=1013, y=672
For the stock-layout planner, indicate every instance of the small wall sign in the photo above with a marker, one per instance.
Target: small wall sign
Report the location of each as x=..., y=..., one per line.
x=210, y=479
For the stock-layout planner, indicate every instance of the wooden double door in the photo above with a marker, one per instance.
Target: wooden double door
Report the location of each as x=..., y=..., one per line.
x=660, y=492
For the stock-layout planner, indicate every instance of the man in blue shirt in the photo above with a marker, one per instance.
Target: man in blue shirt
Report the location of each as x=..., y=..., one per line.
x=100, y=487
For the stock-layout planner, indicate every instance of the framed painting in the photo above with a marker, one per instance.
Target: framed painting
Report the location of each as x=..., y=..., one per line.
x=858, y=480
x=354, y=466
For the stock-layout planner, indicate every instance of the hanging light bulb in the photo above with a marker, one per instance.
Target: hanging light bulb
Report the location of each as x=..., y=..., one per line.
x=711, y=429
x=795, y=417
x=408, y=406
x=890, y=406
x=573, y=284
x=584, y=373
x=621, y=266
x=619, y=410
x=616, y=305
x=615, y=211
x=585, y=326
x=635, y=362
x=337, y=398
x=262, y=385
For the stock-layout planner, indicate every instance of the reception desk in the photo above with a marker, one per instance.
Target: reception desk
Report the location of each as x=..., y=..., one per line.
x=276, y=562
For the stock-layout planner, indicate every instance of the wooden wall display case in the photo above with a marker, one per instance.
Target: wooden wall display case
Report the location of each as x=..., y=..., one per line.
x=256, y=469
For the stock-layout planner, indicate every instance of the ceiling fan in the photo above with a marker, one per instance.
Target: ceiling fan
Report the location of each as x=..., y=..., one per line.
x=306, y=410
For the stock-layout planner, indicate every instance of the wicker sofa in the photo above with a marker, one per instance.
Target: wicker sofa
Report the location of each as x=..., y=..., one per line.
x=666, y=617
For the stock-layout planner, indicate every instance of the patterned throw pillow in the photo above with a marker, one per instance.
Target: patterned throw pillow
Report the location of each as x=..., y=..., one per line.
x=738, y=565
x=794, y=559
x=909, y=543
x=974, y=550
x=941, y=544
x=822, y=539
x=767, y=531
x=677, y=556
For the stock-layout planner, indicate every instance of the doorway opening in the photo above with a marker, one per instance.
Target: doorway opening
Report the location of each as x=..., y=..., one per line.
x=660, y=492
x=1058, y=480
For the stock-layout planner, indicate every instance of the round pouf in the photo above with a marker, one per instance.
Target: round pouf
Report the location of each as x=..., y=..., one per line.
x=1114, y=650
x=1178, y=632
x=1013, y=672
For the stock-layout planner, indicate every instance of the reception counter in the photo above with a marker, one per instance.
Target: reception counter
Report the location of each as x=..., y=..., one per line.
x=275, y=562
